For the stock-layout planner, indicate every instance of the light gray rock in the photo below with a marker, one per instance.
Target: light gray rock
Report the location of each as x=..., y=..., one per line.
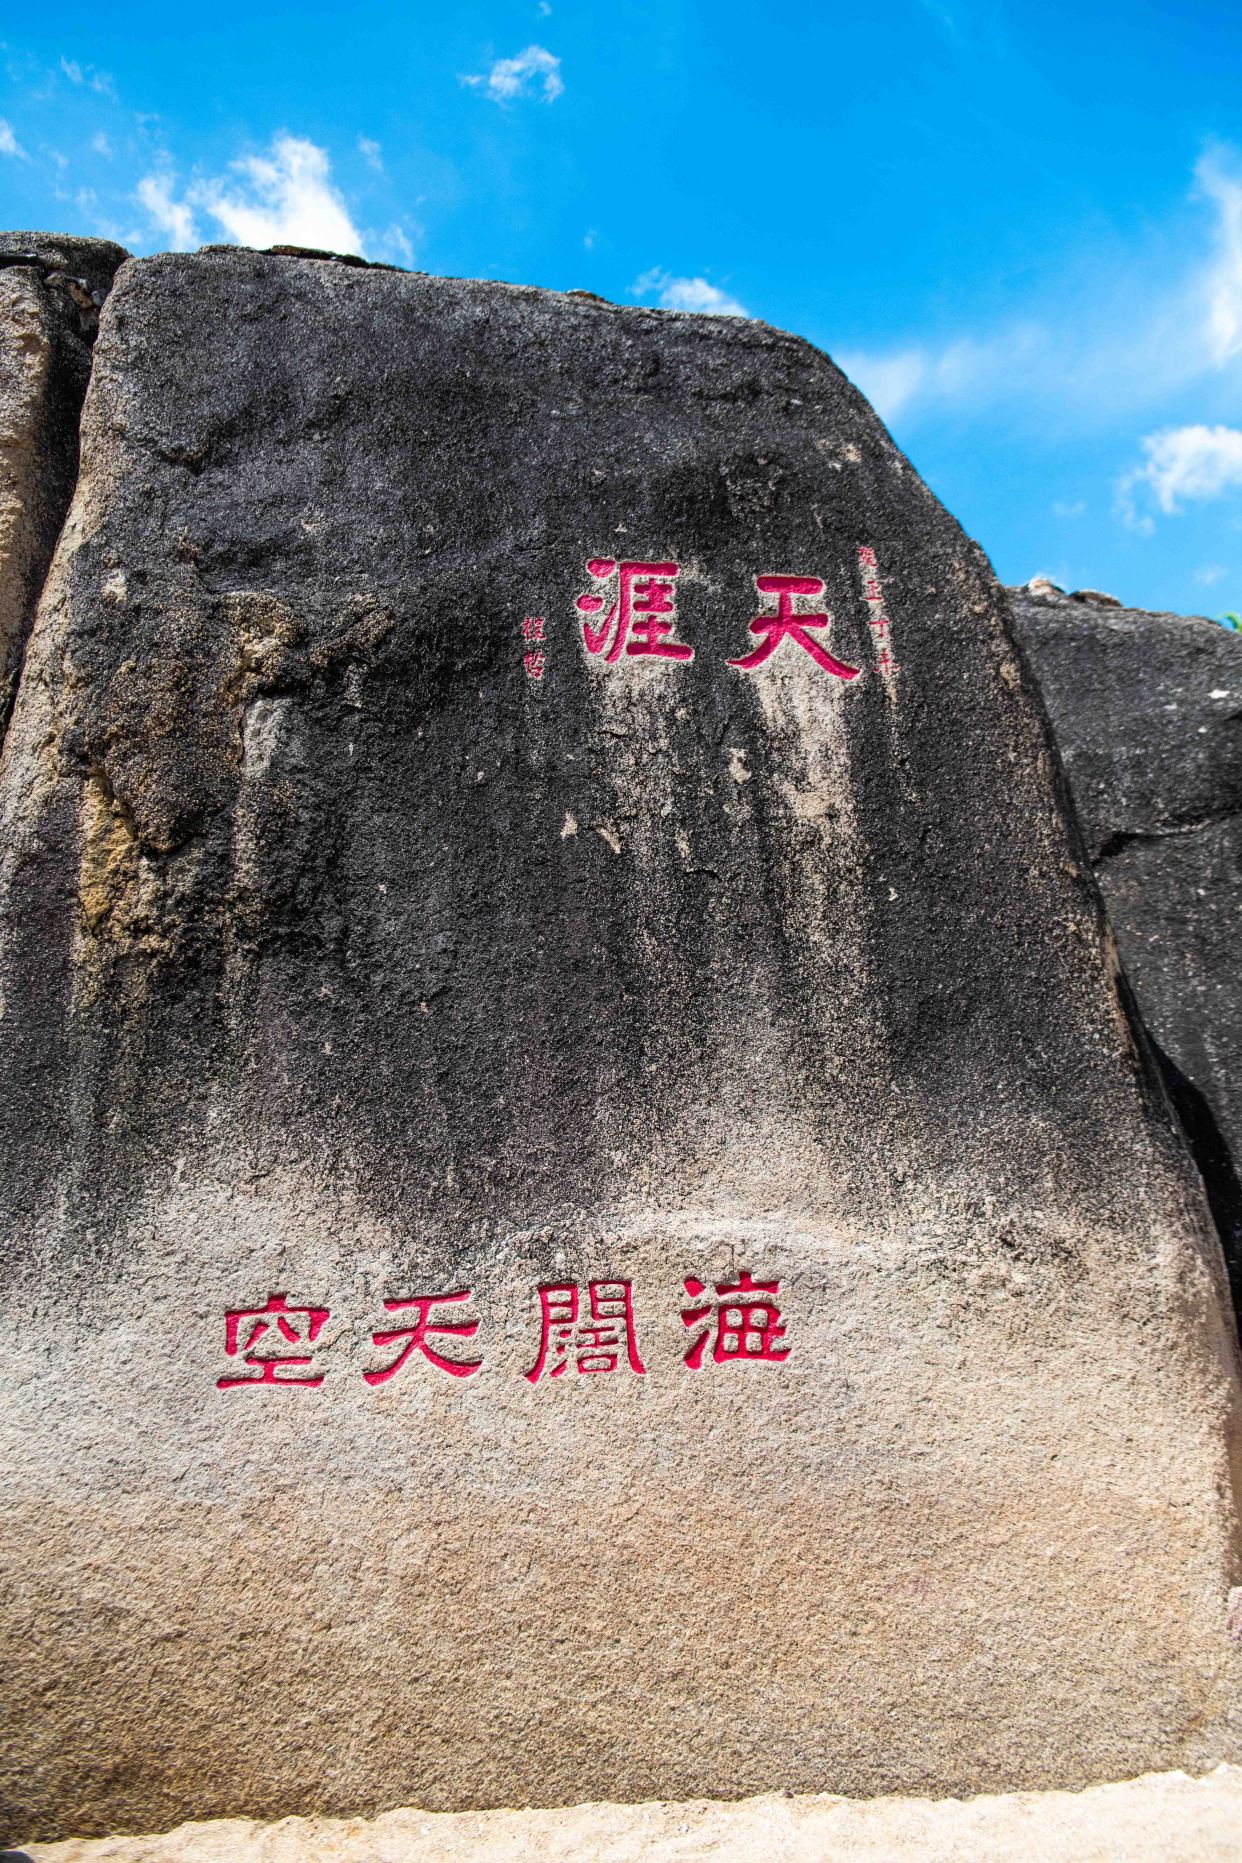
x=350, y=953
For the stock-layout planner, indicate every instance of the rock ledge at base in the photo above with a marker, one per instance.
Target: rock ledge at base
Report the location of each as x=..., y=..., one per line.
x=1161, y=1818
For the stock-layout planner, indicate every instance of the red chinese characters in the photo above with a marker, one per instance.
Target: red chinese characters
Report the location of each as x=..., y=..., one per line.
x=789, y=623
x=595, y=1344
x=415, y=1336
x=535, y=659
x=588, y=1328
x=747, y=1324
x=877, y=619
x=642, y=613
x=244, y=1327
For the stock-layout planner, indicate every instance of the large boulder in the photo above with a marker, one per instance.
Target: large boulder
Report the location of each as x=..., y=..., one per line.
x=585, y=1212
x=51, y=290
x=1147, y=712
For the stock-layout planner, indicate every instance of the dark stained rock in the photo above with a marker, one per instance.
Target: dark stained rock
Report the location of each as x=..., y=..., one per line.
x=1147, y=711
x=843, y=1391
x=51, y=290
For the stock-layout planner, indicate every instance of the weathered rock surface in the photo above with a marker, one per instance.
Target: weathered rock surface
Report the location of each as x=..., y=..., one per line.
x=1147, y=711
x=51, y=290
x=365, y=937
x=1164, y=1818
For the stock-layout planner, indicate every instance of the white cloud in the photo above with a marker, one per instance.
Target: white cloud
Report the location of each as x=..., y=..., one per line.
x=1064, y=508
x=169, y=216
x=372, y=153
x=9, y=145
x=285, y=198
x=1182, y=463
x=1210, y=573
x=513, y=77
x=687, y=294
x=101, y=145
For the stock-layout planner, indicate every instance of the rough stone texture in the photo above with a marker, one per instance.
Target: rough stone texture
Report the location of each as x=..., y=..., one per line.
x=1147, y=712
x=1163, y=1818
x=50, y=293
x=342, y=959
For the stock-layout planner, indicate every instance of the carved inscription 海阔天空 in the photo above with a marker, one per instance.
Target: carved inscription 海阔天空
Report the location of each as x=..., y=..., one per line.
x=592, y=1328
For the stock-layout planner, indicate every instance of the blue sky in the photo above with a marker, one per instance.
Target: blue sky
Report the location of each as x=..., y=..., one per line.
x=1018, y=226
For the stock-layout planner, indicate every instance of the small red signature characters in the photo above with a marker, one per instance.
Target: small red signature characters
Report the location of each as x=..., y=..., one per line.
x=642, y=615
x=415, y=1336
x=596, y=1345
x=298, y=1326
x=747, y=1328
x=535, y=659
x=878, y=620
x=788, y=623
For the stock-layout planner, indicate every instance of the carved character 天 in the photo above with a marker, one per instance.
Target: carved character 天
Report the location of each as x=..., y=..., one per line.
x=415, y=1336
x=789, y=623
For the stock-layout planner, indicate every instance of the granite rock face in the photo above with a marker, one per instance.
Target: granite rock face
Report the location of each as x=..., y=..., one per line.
x=584, y=1212
x=51, y=290
x=1147, y=711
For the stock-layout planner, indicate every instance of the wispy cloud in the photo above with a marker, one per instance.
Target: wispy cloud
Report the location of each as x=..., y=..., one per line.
x=965, y=367
x=687, y=294
x=1107, y=359
x=514, y=77
x=1219, y=182
x=101, y=145
x=171, y=217
x=88, y=76
x=1182, y=463
x=283, y=198
x=392, y=244
x=1210, y=574
x=1069, y=508
x=371, y=153
x=9, y=145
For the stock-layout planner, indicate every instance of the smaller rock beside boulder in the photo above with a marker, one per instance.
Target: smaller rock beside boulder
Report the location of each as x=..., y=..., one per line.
x=1147, y=713
x=51, y=291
